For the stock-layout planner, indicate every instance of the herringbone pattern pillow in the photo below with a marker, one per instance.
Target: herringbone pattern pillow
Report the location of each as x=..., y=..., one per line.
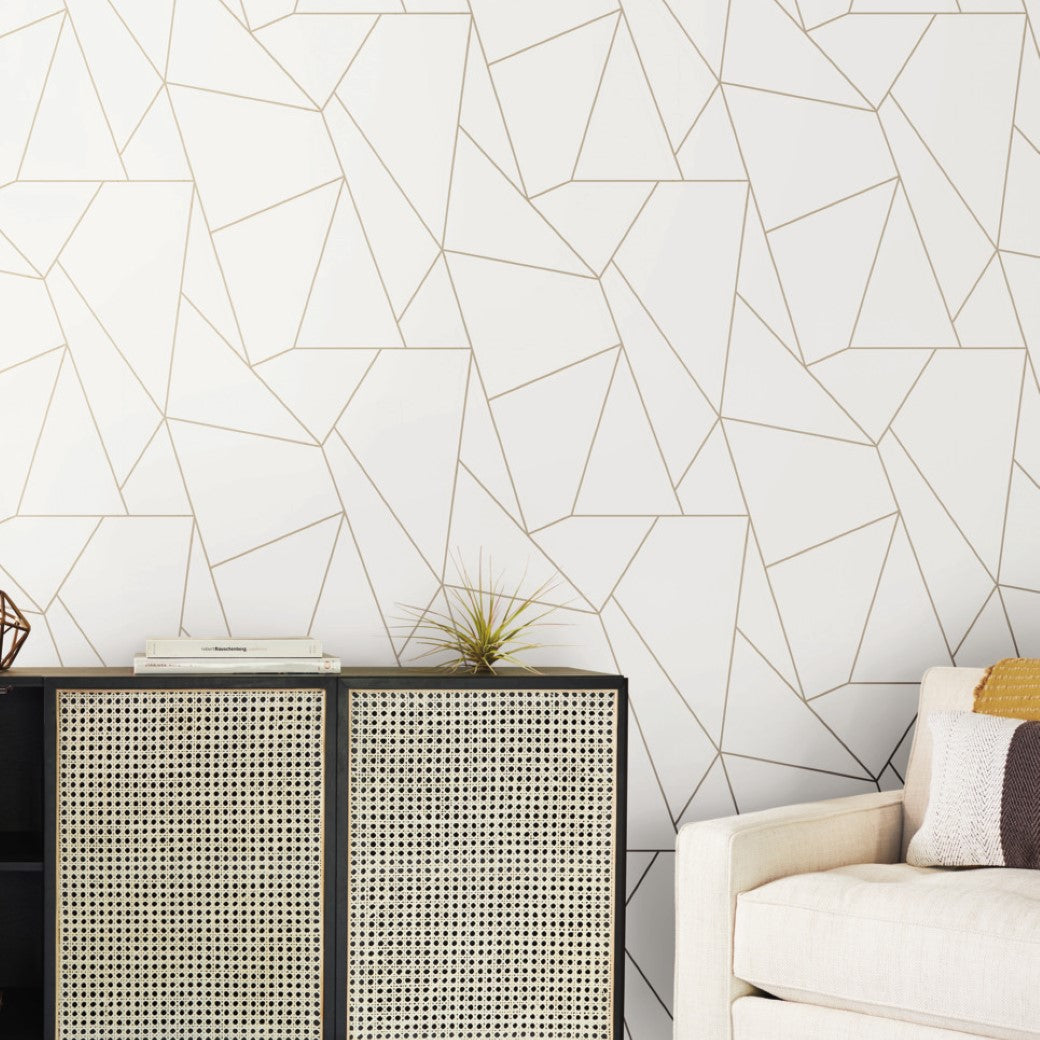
x=984, y=800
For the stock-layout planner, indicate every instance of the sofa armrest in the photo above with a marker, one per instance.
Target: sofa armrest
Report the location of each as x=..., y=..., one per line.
x=718, y=859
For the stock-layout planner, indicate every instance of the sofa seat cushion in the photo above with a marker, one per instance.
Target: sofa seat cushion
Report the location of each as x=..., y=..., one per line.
x=957, y=949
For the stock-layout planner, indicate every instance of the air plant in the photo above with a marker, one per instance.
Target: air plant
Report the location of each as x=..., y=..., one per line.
x=484, y=625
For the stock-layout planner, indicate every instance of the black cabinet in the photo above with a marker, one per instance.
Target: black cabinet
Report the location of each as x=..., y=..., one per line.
x=21, y=857
x=384, y=854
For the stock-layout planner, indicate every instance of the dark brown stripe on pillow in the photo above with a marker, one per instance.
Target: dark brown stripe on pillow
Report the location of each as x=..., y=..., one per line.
x=1020, y=801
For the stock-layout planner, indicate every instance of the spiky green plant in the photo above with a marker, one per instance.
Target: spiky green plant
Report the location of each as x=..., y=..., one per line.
x=484, y=625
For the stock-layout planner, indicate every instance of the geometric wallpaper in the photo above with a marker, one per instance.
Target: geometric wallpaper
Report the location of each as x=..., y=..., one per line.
x=728, y=311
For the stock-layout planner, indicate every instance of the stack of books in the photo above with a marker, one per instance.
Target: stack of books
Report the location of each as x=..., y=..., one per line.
x=235, y=657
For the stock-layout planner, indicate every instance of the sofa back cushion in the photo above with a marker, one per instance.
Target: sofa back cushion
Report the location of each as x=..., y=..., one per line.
x=942, y=689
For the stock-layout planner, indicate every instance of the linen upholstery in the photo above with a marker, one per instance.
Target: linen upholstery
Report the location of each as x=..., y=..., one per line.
x=942, y=689
x=719, y=859
x=954, y=949
x=761, y=1018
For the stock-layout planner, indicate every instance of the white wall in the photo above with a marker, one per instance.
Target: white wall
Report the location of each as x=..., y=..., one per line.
x=297, y=303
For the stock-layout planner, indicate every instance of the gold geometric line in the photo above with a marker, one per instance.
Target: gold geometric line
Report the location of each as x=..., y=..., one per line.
x=693, y=43
x=196, y=527
x=90, y=75
x=422, y=282
x=243, y=97
x=835, y=202
x=389, y=508
x=255, y=374
x=386, y=168
x=906, y=396
x=868, y=779
x=1011, y=134
x=873, y=599
x=733, y=300
x=917, y=559
x=671, y=682
x=902, y=68
x=595, y=431
x=1007, y=619
x=765, y=659
x=75, y=227
x=935, y=495
x=733, y=636
x=177, y=312
x=72, y=618
x=455, y=139
x=874, y=260
x=753, y=198
x=632, y=223
x=1011, y=468
x=653, y=97
x=832, y=538
x=978, y=614
x=799, y=97
x=243, y=433
x=144, y=116
x=272, y=541
x=635, y=888
x=653, y=321
x=318, y=262
x=159, y=72
x=274, y=205
x=455, y=471
x=974, y=286
x=689, y=801
x=72, y=566
x=549, y=39
x=325, y=575
x=591, y=277
x=554, y=372
x=595, y=97
x=789, y=429
x=696, y=119
x=532, y=209
x=28, y=360
x=43, y=90
x=100, y=325
x=650, y=758
x=942, y=169
x=97, y=427
x=841, y=72
x=649, y=984
x=35, y=21
x=631, y=560
x=187, y=573
x=361, y=559
x=353, y=393
x=364, y=230
x=141, y=453
x=697, y=454
x=498, y=105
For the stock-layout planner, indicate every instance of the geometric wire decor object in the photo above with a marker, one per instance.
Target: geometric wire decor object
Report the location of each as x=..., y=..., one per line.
x=189, y=864
x=481, y=864
x=14, y=630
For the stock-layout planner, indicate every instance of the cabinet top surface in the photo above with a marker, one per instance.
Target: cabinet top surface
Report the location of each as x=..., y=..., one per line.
x=22, y=676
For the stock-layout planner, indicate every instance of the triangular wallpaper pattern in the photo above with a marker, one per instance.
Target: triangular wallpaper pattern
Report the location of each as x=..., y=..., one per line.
x=721, y=309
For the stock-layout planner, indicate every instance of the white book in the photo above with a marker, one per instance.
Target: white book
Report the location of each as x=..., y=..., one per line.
x=303, y=647
x=327, y=664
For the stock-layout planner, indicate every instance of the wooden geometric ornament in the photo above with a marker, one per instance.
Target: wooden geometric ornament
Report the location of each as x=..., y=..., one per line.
x=13, y=627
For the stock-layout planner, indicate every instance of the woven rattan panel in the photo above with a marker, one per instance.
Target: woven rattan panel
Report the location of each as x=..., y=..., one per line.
x=189, y=864
x=480, y=863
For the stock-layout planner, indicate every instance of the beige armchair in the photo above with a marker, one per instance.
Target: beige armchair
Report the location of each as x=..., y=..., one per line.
x=804, y=923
